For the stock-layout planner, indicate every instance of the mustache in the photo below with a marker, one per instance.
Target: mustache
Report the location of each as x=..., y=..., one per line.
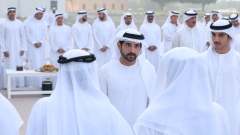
x=131, y=54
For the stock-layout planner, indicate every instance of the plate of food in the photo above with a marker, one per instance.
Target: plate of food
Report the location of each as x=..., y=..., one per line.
x=47, y=68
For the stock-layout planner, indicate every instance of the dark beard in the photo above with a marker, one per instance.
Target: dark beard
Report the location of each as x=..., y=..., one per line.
x=126, y=56
x=101, y=18
x=84, y=20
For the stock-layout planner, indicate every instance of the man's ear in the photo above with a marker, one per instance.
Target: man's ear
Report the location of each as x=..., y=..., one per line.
x=119, y=45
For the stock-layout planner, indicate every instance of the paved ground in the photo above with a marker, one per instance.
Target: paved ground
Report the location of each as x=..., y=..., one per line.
x=24, y=103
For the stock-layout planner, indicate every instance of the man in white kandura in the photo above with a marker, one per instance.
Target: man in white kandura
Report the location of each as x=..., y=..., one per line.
x=224, y=73
x=36, y=33
x=103, y=33
x=2, y=73
x=152, y=34
x=206, y=19
x=46, y=16
x=191, y=34
x=82, y=33
x=60, y=41
x=127, y=22
x=76, y=106
x=180, y=100
x=214, y=16
x=235, y=19
x=10, y=120
x=127, y=79
x=13, y=44
x=169, y=28
x=52, y=16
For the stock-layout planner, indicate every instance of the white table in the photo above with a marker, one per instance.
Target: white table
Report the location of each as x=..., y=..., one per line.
x=27, y=90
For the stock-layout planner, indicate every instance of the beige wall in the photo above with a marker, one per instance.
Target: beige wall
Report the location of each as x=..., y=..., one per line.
x=26, y=7
x=93, y=5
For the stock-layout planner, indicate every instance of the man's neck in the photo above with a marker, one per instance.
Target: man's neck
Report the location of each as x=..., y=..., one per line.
x=81, y=21
x=125, y=62
x=104, y=20
x=223, y=50
x=60, y=24
x=11, y=19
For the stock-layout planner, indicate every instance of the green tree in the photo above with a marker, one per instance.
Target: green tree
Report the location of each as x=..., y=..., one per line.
x=203, y=2
x=162, y=3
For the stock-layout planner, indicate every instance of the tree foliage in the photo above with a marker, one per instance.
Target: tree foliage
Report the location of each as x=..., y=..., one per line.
x=203, y=2
x=162, y=3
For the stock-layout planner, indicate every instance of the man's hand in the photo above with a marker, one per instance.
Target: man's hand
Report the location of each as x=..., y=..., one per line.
x=104, y=48
x=208, y=44
x=38, y=44
x=85, y=49
x=21, y=53
x=60, y=50
x=152, y=48
x=6, y=54
x=176, y=23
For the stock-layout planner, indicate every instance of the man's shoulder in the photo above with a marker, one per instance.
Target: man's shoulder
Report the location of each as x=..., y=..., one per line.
x=182, y=29
x=204, y=53
x=43, y=101
x=236, y=54
x=110, y=64
x=119, y=26
x=146, y=63
x=156, y=25
x=68, y=27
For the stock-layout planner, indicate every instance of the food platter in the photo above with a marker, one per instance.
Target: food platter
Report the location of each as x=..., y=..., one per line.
x=47, y=68
x=38, y=70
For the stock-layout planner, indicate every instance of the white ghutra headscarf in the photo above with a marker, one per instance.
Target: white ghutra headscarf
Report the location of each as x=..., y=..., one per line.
x=77, y=106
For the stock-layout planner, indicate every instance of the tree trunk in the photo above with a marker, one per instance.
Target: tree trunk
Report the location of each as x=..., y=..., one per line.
x=162, y=5
x=203, y=5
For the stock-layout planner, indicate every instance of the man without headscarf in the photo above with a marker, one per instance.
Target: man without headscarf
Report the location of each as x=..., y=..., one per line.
x=103, y=33
x=180, y=100
x=169, y=28
x=152, y=34
x=224, y=73
x=13, y=44
x=82, y=33
x=60, y=41
x=235, y=19
x=127, y=22
x=36, y=33
x=191, y=34
x=127, y=78
x=76, y=106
